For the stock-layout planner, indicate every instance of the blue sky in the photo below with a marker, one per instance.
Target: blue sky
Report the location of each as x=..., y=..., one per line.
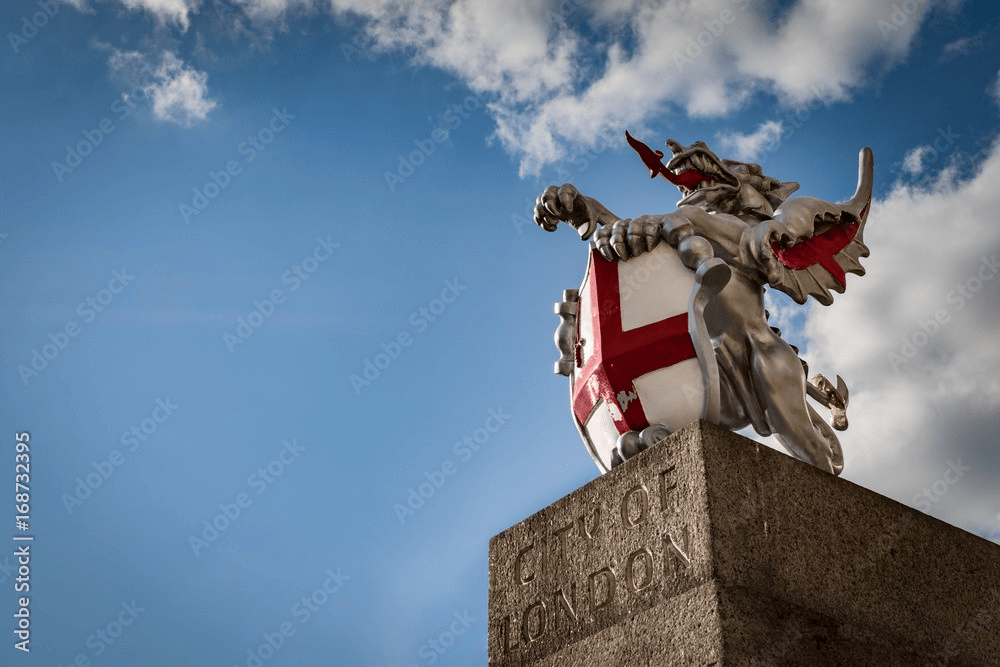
x=214, y=214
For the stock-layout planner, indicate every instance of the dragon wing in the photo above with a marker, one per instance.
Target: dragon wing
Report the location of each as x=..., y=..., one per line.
x=811, y=244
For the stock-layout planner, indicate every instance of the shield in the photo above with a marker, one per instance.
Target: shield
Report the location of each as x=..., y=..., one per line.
x=642, y=352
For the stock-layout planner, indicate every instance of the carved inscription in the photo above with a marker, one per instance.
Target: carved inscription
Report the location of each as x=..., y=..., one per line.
x=573, y=580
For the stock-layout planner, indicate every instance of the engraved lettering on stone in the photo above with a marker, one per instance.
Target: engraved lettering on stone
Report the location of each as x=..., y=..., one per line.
x=612, y=583
x=666, y=487
x=507, y=646
x=647, y=570
x=540, y=627
x=562, y=602
x=561, y=534
x=518, y=566
x=643, y=495
x=675, y=556
x=591, y=535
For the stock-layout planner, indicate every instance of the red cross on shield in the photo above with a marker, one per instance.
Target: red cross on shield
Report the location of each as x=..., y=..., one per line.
x=637, y=362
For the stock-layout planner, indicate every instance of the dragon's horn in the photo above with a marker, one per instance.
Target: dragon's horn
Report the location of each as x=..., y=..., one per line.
x=858, y=204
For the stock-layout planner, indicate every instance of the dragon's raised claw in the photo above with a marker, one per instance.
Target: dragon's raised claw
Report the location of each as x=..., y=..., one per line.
x=628, y=238
x=564, y=203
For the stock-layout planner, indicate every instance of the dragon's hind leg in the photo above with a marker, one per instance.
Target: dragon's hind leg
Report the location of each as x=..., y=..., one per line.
x=779, y=382
x=823, y=442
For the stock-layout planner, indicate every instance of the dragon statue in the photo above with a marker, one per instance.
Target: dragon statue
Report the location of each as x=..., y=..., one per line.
x=669, y=324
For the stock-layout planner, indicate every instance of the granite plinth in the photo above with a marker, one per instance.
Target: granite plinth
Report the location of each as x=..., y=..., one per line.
x=711, y=549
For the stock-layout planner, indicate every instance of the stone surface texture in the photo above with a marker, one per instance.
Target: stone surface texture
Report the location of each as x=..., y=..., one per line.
x=712, y=549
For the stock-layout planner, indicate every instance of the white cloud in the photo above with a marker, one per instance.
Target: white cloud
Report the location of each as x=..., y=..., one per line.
x=517, y=50
x=913, y=161
x=80, y=5
x=559, y=85
x=167, y=12
x=748, y=147
x=706, y=58
x=177, y=92
x=961, y=47
x=916, y=339
x=272, y=10
x=994, y=90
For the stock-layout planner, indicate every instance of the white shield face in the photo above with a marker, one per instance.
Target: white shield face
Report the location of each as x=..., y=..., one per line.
x=637, y=365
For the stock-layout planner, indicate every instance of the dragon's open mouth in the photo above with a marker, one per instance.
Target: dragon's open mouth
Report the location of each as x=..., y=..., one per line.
x=697, y=168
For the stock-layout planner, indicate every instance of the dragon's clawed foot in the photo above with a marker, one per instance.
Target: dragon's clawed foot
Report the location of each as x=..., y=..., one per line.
x=631, y=443
x=628, y=238
x=835, y=398
x=564, y=203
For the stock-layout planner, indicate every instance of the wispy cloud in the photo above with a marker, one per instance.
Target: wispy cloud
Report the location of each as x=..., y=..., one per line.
x=556, y=89
x=704, y=59
x=913, y=161
x=178, y=93
x=994, y=90
x=749, y=147
x=166, y=12
x=962, y=46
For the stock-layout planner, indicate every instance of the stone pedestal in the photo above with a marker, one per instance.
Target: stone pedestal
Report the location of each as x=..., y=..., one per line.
x=711, y=549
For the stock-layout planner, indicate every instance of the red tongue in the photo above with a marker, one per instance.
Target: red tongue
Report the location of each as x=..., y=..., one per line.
x=653, y=161
x=688, y=179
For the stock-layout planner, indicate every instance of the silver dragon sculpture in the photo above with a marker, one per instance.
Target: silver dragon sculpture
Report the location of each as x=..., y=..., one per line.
x=739, y=231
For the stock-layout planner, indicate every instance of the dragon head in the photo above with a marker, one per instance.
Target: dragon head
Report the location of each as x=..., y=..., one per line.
x=710, y=182
x=726, y=186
